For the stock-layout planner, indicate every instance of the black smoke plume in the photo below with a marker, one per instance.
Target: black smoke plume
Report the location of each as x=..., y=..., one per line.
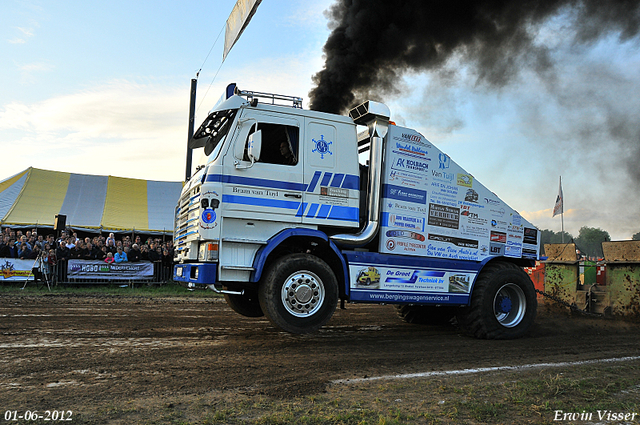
x=374, y=42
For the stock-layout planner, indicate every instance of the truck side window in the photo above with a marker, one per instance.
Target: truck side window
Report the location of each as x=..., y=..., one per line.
x=279, y=144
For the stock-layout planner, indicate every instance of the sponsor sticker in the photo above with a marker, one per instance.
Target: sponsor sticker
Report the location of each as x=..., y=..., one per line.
x=444, y=216
x=496, y=248
x=405, y=194
x=530, y=236
x=465, y=180
x=406, y=222
x=405, y=234
x=464, y=243
x=500, y=237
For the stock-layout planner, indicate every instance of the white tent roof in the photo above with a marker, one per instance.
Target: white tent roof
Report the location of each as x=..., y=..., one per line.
x=34, y=197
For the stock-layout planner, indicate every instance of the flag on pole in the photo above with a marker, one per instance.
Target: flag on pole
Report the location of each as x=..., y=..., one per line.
x=558, y=209
x=237, y=22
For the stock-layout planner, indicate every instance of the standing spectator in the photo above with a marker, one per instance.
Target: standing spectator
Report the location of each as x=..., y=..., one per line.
x=40, y=242
x=144, y=253
x=63, y=253
x=50, y=263
x=111, y=246
x=76, y=251
x=102, y=253
x=63, y=237
x=153, y=253
x=120, y=256
x=109, y=259
x=24, y=251
x=13, y=249
x=111, y=238
x=35, y=253
x=167, y=264
x=89, y=252
x=134, y=254
x=23, y=240
x=4, y=246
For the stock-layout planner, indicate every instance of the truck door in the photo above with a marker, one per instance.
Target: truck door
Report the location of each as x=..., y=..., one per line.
x=331, y=175
x=271, y=188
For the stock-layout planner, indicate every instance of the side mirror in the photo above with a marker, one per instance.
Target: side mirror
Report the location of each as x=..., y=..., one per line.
x=254, y=146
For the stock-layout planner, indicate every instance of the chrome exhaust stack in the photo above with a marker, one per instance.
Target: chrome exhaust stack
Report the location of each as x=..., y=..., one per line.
x=374, y=115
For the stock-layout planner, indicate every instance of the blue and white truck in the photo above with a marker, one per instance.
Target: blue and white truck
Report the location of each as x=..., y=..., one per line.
x=286, y=222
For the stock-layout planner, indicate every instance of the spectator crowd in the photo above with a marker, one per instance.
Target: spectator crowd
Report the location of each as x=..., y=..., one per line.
x=31, y=245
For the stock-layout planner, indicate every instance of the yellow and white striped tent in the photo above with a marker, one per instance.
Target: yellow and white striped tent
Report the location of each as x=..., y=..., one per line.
x=34, y=197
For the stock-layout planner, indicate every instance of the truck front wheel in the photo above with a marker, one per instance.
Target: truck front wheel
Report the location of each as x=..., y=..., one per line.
x=299, y=293
x=503, y=303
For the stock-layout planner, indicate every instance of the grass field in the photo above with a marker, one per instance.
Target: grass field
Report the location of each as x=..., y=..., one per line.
x=533, y=397
x=165, y=290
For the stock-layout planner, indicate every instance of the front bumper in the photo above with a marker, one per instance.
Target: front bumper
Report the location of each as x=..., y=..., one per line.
x=195, y=274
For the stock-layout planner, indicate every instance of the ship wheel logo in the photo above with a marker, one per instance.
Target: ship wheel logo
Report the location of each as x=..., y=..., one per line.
x=322, y=146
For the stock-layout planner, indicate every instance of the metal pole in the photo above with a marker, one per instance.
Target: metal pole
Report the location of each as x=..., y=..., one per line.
x=192, y=117
x=562, y=213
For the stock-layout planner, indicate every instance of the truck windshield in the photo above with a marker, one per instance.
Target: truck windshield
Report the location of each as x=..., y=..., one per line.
x=213, y=130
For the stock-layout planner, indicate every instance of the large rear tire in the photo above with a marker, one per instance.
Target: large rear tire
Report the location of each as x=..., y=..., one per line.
x=299, y=293
x=246, y=304
x=503, y=304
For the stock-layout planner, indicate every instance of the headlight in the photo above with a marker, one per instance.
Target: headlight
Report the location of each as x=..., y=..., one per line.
x=208, y=251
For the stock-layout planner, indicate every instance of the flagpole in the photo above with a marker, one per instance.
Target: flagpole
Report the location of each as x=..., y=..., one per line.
x=562, y=214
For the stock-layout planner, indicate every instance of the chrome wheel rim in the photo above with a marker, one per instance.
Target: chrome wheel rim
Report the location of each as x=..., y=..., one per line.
x=510, y=305
x=303, y=294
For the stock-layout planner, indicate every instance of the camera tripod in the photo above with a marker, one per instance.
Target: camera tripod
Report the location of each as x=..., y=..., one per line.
x=39, y=273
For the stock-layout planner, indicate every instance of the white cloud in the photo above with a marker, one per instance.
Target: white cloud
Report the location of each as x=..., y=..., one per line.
x=26, y=31
x=309, y=13
x=122, y=128
x=131, y=129
x=35, y=67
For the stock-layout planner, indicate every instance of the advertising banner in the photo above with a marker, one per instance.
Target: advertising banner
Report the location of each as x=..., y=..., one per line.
x=402, y=284
x=13, y=269
x=88, y=269
x=434, y=208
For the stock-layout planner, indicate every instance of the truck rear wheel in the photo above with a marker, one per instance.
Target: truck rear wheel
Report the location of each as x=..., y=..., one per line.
x=503, y=303
x=299, y=293
x=245, y=304
x=425, y=314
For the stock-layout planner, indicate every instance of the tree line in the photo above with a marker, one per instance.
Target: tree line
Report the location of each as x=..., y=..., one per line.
x=589, y=240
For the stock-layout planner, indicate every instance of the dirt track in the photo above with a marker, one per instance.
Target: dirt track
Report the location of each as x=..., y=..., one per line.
x=63, y=352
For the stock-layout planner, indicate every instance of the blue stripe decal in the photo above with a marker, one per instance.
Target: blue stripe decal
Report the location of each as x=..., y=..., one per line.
x=344, y=213
x=384, y=219
x=250, y=181
x=326, y=179
x=314, y=181
x=248, y=200
x=300, y=212
x=351, y=182
x=337, y=180
x=324, y=211
x=312, y=210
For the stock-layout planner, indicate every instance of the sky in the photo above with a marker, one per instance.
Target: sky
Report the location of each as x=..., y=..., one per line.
x=103, y=88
